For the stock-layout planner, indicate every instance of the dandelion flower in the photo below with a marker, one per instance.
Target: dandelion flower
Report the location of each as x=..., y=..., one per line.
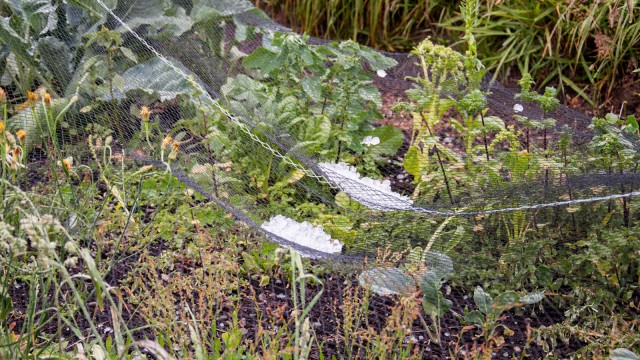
x=518, y=108
x=303, y=234
x=68, y=163
x=1, y=127
x=47, y=99
x=370, y=141
x=32, y=96
x=381, y=73
x=167, y=140
x=3, y=96
x=21, y=134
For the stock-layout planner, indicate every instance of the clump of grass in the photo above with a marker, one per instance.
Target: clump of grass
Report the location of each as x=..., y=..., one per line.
x=387, y=25
x=580, y=45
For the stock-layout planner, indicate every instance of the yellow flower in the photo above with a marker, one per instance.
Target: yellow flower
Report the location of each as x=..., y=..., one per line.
x=21, y=134
x=47, y=99
x=3, y=96
x=32, y=96
x=167, y=140
x=145, y=113
x=68, y=163
x=1, y=127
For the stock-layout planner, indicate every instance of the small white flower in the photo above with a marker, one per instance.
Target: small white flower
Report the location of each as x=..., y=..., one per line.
x=381, y=73
x=518, y=108
x=370, y=141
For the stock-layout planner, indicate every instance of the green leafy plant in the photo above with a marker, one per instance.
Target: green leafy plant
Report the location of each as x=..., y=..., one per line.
x=491, y=309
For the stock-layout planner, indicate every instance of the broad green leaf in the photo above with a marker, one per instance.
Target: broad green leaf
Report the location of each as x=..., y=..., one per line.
x=483, y=300
x=55, y=55
x=312, y=86
x=439, y=263
x=434, y=302
x=262, y=59
x=504, y=301
x=475, y=317
x=532, y=298
x=155, y=77
x=159, y=15
x=391, y=139
x=387, y=281
x=204, y=10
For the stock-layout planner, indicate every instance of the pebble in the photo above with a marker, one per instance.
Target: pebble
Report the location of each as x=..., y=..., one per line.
x=505, y=354
x=401, y=176
x=447, y=334
x=281, y=296
x=517, y=349
x=107, y=330
x=420, y=337
x=317, y=325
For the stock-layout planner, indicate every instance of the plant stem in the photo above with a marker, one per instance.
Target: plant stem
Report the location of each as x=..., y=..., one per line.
x=435, y=149
x=484, y=134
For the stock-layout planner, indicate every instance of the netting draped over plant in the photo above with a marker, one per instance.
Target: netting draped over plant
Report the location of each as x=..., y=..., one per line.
x=329, y=141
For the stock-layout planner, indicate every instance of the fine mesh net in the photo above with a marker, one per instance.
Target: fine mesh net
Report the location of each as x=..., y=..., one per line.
x=290, y=133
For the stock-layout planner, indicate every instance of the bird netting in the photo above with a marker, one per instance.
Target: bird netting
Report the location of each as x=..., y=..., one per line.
x=330, y=148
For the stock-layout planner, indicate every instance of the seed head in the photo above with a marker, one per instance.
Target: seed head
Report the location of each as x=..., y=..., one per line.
x=174, y=150
x=11, y=140
x=145, y=114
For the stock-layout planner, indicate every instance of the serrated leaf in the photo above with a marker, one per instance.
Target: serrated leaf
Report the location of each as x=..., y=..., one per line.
x=387, y=281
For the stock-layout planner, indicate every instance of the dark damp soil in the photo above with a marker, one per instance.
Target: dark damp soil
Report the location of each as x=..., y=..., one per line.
x=327, y=317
